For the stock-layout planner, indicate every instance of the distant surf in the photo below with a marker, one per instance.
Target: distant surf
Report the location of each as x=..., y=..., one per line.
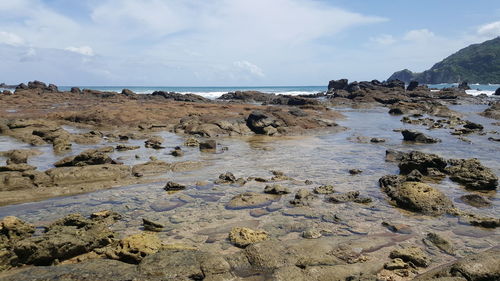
x=215, y=92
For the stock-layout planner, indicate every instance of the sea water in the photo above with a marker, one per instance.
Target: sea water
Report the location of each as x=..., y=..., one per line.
x=215, y=92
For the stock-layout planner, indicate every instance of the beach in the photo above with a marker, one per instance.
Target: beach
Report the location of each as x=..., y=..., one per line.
x=360, y=181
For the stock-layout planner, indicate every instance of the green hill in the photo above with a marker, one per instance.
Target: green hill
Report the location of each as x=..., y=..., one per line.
x=477, y=63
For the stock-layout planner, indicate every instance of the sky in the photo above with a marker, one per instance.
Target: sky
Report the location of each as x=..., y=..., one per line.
x=232, y=42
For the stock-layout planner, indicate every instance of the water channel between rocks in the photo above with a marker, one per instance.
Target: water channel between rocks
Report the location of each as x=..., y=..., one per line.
x=197, y=216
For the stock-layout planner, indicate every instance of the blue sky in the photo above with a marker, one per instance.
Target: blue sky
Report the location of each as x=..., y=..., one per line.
x=232, y=42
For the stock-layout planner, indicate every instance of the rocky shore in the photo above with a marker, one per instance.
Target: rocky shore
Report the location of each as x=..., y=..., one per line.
x=366, y=181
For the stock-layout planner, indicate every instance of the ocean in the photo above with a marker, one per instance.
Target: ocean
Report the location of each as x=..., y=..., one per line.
x=215, y=92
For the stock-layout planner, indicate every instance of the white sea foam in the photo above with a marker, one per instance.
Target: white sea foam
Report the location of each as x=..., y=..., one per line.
x=479, y=92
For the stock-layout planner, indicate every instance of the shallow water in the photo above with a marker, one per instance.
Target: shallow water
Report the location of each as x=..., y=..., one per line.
x=197, y=216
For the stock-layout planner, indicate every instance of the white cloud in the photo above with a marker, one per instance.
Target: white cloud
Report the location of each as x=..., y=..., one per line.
x=10, y=39
x=491, y=29
x=249, y=67
x=419, y=35
x=384, y=39
x=83, y=50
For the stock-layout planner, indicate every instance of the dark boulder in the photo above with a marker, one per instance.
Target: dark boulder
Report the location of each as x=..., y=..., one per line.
x=497, y=92
x=263, y=123
x=412, y=86
x=88, y=157
x=208, y=145
x=22, y=86
x=420, y=161
x=128, y=93
x=36, y=85
x=396, y=84
x=415, y=136
x=472, y=174
x=247, y=96
x=337, y=84
x=464, y=86
x=75, y=90
x=180, y=97
x=353, y=87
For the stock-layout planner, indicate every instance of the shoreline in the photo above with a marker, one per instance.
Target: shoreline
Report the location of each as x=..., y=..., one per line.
x=320, y=183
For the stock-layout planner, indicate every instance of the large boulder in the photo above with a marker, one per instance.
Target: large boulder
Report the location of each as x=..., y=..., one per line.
x=464, y=86
x=419, y=137
x=13, y=229
x=337, y=84
x=421, y=161
x=180, y=97
x=263, y=123
x=412, y=86
x=88, y=157
x=247, y=96
x=64, y=239
x=417, y=197
x=472, y=174
x=134, y=248
x=242, y=236
x=497, y=92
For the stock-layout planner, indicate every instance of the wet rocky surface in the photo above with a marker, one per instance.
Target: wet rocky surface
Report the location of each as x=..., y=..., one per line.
x=268, y=203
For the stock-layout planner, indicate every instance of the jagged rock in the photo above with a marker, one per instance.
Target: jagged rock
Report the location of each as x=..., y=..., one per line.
x=415, y=136
x=122, y=147
x=88, y=157
x=277, y=189
x=355, y=171
x=155, y=142
x=152, y=226
x=242, y=236
x=181, y=97
x=170, y=186
x=128, y=93
x=66, y=238
x=414, y=255
x=416, y=196
x=414, y=175
x=191, y=142
x=13, y=229
x=177, y=152
x=324, y=189
x=303, y=197
x=396, y=263
x=338, y=84
x=262, y=123
x=412, y=86
x=472, y=174
x=464, y=86
x=420, y=161
x=134, y=248
x=247, y=96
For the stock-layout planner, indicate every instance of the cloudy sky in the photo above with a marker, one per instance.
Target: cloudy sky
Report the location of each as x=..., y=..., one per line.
x=232, y=42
